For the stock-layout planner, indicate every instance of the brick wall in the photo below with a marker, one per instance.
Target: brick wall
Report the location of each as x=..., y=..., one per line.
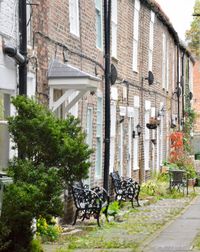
x=52, y=18
x=196, y=94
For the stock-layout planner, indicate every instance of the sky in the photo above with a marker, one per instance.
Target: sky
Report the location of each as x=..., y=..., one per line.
x=180, y=14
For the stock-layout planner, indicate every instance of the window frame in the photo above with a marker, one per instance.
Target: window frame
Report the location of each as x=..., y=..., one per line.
x=99, y=10
x=136, y=35
x=74, y=23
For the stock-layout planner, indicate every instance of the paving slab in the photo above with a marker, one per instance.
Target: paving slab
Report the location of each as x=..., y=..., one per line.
x=180, y=234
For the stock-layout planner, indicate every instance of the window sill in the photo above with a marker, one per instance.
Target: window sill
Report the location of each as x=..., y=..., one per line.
x=115, y=59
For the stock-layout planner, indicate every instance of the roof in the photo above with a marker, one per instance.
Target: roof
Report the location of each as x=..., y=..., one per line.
x=153, y=5
x=61, y=70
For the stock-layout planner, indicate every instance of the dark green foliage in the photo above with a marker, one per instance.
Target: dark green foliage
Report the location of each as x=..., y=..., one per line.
x=47, y=181
x=18, y=212
x=43, y=138
x=52, y=153
x=193, y=34
x=36, y=191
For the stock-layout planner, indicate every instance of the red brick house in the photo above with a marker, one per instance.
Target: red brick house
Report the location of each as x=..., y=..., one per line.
x=69, y=48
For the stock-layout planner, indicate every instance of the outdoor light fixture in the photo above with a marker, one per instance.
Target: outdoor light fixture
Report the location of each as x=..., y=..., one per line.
x=13, y=53
x=177, y=92
x=139, y=129
x=150, y=78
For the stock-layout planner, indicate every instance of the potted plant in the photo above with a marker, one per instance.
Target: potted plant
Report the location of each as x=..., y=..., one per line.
x=153, y=123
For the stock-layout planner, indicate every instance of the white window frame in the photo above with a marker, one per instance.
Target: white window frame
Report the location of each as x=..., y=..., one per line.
x=89, y=137
x=31, y=85
x=151, y=40
x=129, y=146
x=99, y=12
x=147, y=136
x=112, y=135
x=98, y=165
x=136, y=35
x=163, y=60
x=29, y=23
x=121, y=149
x=136, y=140
x=114, y=28
x=74, y=17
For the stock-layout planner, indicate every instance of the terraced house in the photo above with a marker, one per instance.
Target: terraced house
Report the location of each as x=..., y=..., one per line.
x=66, y=51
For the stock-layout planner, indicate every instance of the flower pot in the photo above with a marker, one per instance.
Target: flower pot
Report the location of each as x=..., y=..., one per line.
x=164, y=169
x=151, y=126
x=191, y=182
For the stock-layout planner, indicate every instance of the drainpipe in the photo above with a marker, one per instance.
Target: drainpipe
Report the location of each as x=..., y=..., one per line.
x=107, y=17
x=182, y=85
x=22, y=47
x=178, y=85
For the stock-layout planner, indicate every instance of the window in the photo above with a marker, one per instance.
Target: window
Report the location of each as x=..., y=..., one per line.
x=29, y=23
x=164, y=61
x=136, y=35
x=98, y=166
x=98, y=9
x=31, y=85
x=89, y=124
x=114, y=28
x=136, y=140
x=120, y=149
x=74, y=17
x=112, y=135
x=165, y=64
x=151, y=34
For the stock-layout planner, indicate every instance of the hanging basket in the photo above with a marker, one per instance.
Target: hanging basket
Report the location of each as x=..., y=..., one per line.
x=151, y=126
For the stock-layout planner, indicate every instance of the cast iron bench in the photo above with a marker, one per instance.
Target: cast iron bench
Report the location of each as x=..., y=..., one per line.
x=89, y=202
x=125, y=188
x=178, y=180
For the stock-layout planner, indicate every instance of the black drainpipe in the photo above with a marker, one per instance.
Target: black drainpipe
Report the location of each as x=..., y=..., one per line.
x=22, y=47
x=182, y=85
x=178, y=85
x=107, y=17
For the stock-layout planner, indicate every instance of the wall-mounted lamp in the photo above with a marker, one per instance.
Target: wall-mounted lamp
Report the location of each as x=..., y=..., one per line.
x=177, y=92
x=13, y=53
x=121, y=120
x=139, y=129
x=150, y=78
x=190, y=95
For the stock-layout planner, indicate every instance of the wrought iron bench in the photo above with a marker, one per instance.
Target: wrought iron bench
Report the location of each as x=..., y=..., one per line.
x=89, y=202
x=125, y=188
x=178, y=180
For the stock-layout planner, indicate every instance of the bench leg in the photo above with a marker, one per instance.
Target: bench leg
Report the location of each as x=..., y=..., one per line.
x=75, y=217
x=137, y=200
x=106, y=213
x=98, y=215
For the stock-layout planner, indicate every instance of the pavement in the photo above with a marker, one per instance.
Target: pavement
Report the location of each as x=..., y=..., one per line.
x=176, y=232
x=178, y=235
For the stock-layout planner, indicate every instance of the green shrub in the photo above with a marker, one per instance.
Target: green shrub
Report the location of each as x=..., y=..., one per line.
x=46, y=231
x=36, y=246
x=113, y=208
x=150, y=187
x=42, y=138
x=17, y=215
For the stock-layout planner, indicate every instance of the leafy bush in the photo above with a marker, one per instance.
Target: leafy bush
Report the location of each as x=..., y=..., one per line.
x=17, y=214
x=47, y=181
x=113, y=208
x=47, y=232
x=150, y=187
x=36, y=246
x=42, y=138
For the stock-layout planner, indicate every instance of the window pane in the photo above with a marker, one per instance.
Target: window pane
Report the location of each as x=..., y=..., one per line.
x=98, y=29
